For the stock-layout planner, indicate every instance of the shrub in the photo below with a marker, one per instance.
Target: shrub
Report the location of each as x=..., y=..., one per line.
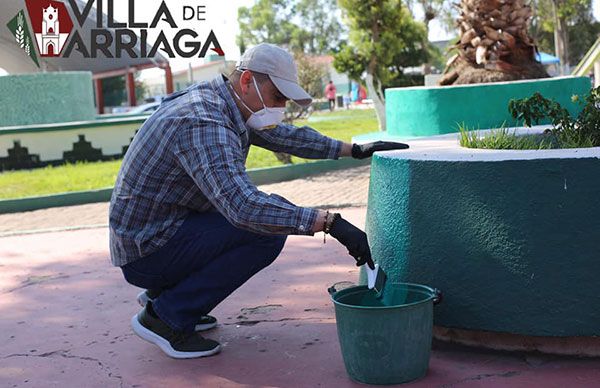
x=569, y=132
x=566, y=132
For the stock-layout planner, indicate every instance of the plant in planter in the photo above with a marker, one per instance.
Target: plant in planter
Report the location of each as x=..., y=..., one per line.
x=582, y=131
x=503, y=139
x=566, y=132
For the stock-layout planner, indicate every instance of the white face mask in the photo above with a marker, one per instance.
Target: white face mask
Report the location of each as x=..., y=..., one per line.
x=265, y=118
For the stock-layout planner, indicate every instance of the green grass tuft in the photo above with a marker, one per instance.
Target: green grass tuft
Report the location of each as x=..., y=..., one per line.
x=503, y=139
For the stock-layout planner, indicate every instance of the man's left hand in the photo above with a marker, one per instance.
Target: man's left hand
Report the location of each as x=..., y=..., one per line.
x=362, y=151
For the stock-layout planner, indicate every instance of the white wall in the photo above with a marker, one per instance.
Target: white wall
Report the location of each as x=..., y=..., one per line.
x=202, y=73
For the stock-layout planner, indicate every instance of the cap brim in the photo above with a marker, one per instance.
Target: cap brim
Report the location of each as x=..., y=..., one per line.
x=292, y=90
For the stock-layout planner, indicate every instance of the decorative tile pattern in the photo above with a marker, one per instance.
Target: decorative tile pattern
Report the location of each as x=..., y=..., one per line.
x=90, y=142
x=83, y=151
x=19, y=158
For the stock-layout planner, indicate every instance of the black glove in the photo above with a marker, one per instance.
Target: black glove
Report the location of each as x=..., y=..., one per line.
x=352, y=238
x=362, y=151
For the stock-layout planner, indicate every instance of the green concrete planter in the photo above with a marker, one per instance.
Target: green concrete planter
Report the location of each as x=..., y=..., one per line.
x=427, y=111
x=510, y=236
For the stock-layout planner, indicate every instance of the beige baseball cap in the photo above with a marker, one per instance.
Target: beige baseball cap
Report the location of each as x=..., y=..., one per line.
x=281, y=68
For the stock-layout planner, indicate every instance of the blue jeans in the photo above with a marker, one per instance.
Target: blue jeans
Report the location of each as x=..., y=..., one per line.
x=206, y=260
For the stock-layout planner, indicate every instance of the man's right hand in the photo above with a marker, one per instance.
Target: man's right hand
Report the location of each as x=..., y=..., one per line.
x=354, y=239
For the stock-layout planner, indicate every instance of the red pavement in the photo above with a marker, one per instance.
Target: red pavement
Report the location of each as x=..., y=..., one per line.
x=65, y=322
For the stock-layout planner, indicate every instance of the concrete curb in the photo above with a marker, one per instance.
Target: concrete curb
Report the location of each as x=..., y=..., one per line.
x=584, y=346
x=260, y=176
x=56, y=200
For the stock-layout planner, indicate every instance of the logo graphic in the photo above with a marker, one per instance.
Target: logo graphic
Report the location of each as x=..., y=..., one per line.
x=52, y=29
x=51, y=25
x=19, y=29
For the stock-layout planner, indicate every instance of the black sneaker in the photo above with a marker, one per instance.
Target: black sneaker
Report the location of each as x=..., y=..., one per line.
x=175, y=344
x=206, y=322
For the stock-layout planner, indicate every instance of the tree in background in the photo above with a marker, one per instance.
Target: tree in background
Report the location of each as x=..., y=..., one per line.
x=561, y=10
x=494, y=44
x=114, y=90
x=310, y=26
x=576, y=19
x=383, y=40
x=310, y=77
x=432, y=9
x=442, y=10
x=310, y=74
x=582, y=35
x=266, y=21
x=320, y=26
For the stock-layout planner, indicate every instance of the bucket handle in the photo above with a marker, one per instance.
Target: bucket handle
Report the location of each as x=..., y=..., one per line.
x=331, y=290
x=439, y=297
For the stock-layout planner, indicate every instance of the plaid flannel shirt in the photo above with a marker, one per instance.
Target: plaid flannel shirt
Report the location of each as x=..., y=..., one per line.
x=190, y=156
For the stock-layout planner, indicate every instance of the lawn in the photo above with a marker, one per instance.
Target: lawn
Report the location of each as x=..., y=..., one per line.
x=342, y=125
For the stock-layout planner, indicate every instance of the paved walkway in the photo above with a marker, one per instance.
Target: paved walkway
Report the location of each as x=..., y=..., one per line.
x=342, y=188
x=65, y=323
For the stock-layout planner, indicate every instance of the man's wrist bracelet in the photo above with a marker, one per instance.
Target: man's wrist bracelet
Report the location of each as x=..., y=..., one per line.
x=329, y=220
x=355, y=151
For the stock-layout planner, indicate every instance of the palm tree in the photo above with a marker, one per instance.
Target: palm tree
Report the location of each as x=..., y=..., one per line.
x=494, y=44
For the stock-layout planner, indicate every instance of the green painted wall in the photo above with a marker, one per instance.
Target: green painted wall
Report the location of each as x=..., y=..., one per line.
x=44, y=98
x=426, y=111
x=513, y=245
x=34, y=146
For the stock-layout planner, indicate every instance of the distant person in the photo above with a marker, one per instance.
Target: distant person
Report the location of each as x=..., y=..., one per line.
x=362, y=93
x=347, y=100
x=186, y=222
x=330, y=95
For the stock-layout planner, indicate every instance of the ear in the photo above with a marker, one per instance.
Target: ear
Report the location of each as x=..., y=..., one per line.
x=245, y=81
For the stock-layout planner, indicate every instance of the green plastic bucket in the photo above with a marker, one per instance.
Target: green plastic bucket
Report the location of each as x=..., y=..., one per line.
x=388, y=340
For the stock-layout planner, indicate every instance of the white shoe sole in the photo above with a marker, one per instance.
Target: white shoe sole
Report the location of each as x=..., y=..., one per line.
x=164, y=345
x=205, y=326
x=143, y=299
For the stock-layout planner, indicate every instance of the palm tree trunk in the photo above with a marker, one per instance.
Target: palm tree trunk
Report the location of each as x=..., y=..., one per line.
x=494, y=44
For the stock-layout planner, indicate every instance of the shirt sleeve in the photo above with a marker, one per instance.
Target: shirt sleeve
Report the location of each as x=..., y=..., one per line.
x=212, y=156
x=303, y=142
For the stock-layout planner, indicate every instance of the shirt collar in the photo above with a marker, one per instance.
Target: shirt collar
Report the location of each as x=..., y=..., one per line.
x=219, y=83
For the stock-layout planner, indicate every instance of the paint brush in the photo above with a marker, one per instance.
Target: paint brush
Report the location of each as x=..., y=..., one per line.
x=376, y=279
